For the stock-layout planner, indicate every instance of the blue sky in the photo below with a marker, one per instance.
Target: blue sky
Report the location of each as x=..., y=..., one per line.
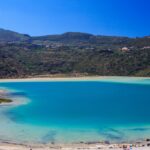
x=103, y=17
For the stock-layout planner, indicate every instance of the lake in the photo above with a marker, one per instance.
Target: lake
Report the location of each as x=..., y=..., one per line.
x=74, y=111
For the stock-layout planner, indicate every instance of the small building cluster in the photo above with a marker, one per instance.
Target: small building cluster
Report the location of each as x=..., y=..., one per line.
x=125, y=49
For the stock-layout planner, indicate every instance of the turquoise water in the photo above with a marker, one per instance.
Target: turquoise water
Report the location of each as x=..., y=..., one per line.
x=77, y=111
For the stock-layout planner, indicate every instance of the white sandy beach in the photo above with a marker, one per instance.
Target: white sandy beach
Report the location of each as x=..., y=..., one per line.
x=82, y=78
x=9, y=146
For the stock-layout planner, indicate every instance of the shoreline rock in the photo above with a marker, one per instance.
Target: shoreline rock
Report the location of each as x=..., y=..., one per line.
x=5, y=100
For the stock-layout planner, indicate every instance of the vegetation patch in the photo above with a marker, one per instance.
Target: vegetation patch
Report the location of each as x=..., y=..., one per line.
x=4, y=100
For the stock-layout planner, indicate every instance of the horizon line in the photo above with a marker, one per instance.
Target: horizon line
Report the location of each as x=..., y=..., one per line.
x=19, y=32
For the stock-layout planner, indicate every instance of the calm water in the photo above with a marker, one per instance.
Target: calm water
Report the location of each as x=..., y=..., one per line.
x=77, y=111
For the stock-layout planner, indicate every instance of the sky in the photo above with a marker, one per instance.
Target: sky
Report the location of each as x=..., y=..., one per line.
x=99, y=17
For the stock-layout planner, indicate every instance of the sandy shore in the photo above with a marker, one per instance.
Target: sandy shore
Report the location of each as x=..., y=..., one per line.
x=86, y=78
x=13, y=146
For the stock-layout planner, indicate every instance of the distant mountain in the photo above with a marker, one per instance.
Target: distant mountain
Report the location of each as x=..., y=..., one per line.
x=66, y=38
x=77, y=38
x=11, y=36
x=71, y=38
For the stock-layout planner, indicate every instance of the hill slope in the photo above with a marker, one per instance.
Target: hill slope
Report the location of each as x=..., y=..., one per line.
x=10, y=36
x=73, y=53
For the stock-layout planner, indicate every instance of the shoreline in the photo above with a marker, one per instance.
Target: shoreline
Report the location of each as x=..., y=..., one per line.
x=82, y=78
x=142, y=145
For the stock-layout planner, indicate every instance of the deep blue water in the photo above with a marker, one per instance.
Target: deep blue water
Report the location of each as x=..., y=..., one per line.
x=88, y=104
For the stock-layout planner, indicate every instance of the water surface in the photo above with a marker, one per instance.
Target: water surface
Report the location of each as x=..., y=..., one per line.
x=78, y=111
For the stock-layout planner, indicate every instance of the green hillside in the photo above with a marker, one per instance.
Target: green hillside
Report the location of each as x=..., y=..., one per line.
x=73, y=53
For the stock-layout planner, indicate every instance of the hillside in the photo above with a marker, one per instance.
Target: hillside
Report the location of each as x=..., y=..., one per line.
x=74, y=38
x=73, y=53
x=11, y=36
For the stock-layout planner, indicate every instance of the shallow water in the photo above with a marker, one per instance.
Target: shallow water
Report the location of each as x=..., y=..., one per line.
x=77, y=111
